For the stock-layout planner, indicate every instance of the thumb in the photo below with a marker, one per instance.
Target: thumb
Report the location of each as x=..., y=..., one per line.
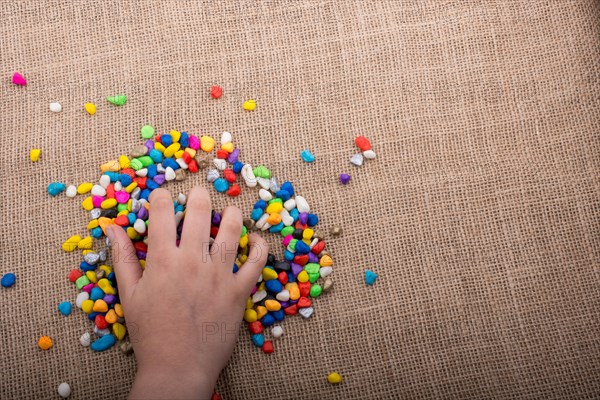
x=257, y=257
x=125, y=262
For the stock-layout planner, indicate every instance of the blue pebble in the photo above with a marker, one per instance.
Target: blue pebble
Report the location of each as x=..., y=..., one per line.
x=221, y=185
x=145, y=193
x=278, y=315
x=56, y=188
x=256, y=214
x=85, y=267
x=258, y=339
x=288, y=187
x=152, y=171
x=302, y=248
x=312, y=220
x=92, y=315
x=184, y=140
x=114, y=176
x=237, y=167
x=273, y=286
x=97, y=232
x=291, y=277
x=178, y=207
x=370, y=277
x=276, y=228
x=235, y=268
x=156, y=156
x=307, y=156
x=151, y=185
x=125, y=180
x=96, y=294
x=294, y=214
x=8, y=279
x=268, y=319
x=65, y=308
x=169, y=162
x=283, y=195
x=131, y=217
x=111, y=277
x=260, y=204
x=104, y=343
x=288, y=255
x=166, y=140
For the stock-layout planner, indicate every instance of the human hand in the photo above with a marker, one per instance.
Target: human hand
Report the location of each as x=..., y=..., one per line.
x=184, y=311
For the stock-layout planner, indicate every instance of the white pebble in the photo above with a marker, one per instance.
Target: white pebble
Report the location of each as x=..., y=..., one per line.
x=306, y=312
x=136, y=193
x=95, y=213
x=302, y=204
x=259, y=296
x=101, y=332
x=225, y=137
x=369, y=154
x=81, y=297
x=140, y=226
x=312, y=244
x=286, y=218
x=160, y=169
x=273, y=185
x=104, y=181
x=64, y=390
x=290, y=204
x=135, y=205
x=248, y=175
x=262, y=221
x=142, y=172
x=357, y=159
x=265, y=195
x=220, y=164
x=71, y=191
x=182, y=199
x=212, y=175
x=98, y=190
x=55, y=107
x=85, y=339
x=169, y=174
x=118, y=186
x=277, y=331
x=284, y=295
x=182, y=163
x=325, y=271
x=264, y=183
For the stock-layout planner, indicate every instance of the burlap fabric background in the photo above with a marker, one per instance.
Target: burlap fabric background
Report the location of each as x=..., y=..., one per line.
x=480, y=213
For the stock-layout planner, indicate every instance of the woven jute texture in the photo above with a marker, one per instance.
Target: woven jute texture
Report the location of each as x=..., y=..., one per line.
x=480, y=214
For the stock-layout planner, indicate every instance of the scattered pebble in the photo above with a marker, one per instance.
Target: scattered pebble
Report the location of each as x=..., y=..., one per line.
x=147, y=132
x=336, y=230
x=334, y=378
x=370, y=277
x=344, y=179
x=18, y=79
x=34, y=154
x=277, y=331
x=64, y=390
x=71, y=191
x=56, y=188
x=250, y=105
x=103, y=343
x=307, y=156
x=363, y=143
x=118, y=100
x=126, y=348
x=369, y=154
x=90, y=108
x=45, y=342
x=357, y=159
x=65, y=308
x=8, y=280
x=216, y=92
x=55, y=107
x=85, y=339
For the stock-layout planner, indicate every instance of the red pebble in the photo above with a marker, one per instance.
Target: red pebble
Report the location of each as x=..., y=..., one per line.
x=300, y=226
x=234, y=190
x=268, y=347
x=291, y=310
x=213, y=231
x=216, y=92
x=215, y=396
x=122, y=220
x=100, y=322
x=304, y=288
x=141, y=246
x=141, y=181
x=222, y=154
x=363, y=143
x=193, y=166
x=282, y=277
x=318, y=248
x=74, y=275
x=186, y=157
x=158, y=139
x=303, y=302
x=255, y=327
x=229, y=175
x=128, y=171
x=301, y=259
x=110, y=191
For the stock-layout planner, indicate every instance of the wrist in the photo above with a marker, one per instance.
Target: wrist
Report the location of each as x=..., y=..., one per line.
x=164, y=380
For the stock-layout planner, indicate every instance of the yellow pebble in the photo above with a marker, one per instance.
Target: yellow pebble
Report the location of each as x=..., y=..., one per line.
x=269, y=274
x=176, y=135
x=207, y=143
x=272, y=305
x=172, y=149
x=132, y=233
x=85, y=187
x=303, y=277
x=112, y=165
x=334, y=378
x=103, y=222
x=84, y=252
x=111, y=316
x=228, y=147
x=106, y=287
x=190, y=151
x=45, y=342
x=107, y=270
x=143, y=264
x=124, y=212
x=250, y=105
x=274, y=208
x=91, y=275
x=92, y=224
x=124, y=162
x=179, y=154
x=87, y=306
x=261, y=286
x=71, y=243
x=100, y=306
x=307, y=234
x=90, y=108
x=119, y=330
x=87, y=204
x=250, y=315
x=130, y=188
x=261, y=311
x=119, y=310
x=108, y=203
x=158, y=146
x=243, y=258
x=249, y=303
x=34, y=154
x=326, y=261
x=244, y=241
x=85, y=243
x=294, y=290
x=274, y=219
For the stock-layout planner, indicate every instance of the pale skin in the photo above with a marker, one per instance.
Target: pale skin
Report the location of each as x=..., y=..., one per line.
x=184, y=312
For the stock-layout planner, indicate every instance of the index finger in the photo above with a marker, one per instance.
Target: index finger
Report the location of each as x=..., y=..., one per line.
x=162, y=232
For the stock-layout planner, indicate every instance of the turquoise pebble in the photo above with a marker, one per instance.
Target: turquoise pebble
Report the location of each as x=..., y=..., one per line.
x=370, y=277
x=221, y=185
x=65, y=308
x=104, y=343
x=307, y=156
x=258, y=339
x=56, y=188
x=8, y=280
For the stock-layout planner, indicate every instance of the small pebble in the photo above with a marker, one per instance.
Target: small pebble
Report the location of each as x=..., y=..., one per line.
x=334, y=378
x=370, y=277
x=307, y=156
x=147, y=132
x=90, y=108
x=336, y=230
x=327, y=285
x=104, y=343
x=45, y=342
x=357, y=159
x=56, y=188
x=55, y=107
x=85, y=339
x=250, y=105
x=306, y=312
x=65, y=308
x=344, y=179
x=369, y=154
x=277, y=331
x=216, y=92
x=18, y=79
x=71, y=191
x=363, y=143
x=34, y=154
x=119, y=100
x=126, y=348
x=8, y=280
x=226, y=138
x=64, y=390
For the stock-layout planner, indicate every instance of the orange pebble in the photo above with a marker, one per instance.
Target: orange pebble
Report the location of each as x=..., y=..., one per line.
x=274, y=219
x=111, y=317
x=45, y=342
x=100, y=306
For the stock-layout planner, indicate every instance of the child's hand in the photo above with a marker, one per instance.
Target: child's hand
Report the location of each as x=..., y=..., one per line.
x=184, y=313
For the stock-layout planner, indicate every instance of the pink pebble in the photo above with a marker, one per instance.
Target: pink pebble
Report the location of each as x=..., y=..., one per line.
x=287, y=240
x=18, y=79
x=88, y=288
x=194, y=142
x=97, y=200
x=254, y=288
x=122, y=197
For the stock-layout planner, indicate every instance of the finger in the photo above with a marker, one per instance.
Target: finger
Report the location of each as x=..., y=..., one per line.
x=162, y=232
x=125, y=262
x=252, y=268
x=225, y=247
x=196, y=226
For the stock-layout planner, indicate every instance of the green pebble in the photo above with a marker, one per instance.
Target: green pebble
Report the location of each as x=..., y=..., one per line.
x=288, y=230
x=312, y=278
x=136, y=164
x=146, y=161
x=276, y=200
x=122, y=207
x=315, y=290
x=292, y=245
x=312, y=268
x=147, y=131
x=119, y=100
x=82, y=281
x=244, y=231
x=262, y=172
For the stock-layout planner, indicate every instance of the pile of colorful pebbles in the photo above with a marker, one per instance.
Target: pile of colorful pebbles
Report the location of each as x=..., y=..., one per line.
x=287, y=286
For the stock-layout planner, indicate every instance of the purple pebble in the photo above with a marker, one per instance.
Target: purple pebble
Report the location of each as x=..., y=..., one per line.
x=312, y=258
x=110, y=298
x=284, y=304
x=344, y=178
x=140, y=254
x=216, y=219
x=303, y=218
x=159, y=179
x=292, y=302
x=149, y=145
x=233, y=157
x=142, y=213
x=296, y=269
